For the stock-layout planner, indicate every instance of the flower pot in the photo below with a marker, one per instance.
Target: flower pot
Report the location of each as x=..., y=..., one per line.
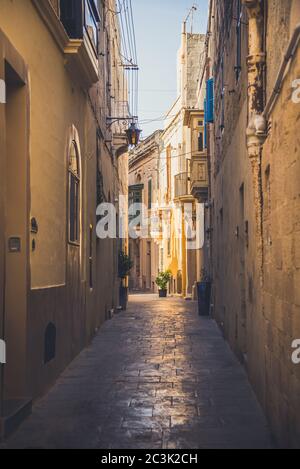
x=162, y=293
x=123, y=297
x=204, y=293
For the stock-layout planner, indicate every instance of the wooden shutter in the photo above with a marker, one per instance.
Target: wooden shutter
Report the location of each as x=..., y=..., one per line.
x=210, y=100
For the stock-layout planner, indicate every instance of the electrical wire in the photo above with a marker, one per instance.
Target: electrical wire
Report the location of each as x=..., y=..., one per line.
x=129, y=48
x=128, y=30
x=160, y=118
x=133, y=52
x=124, y=44
x=136, y=59
x=170, y=157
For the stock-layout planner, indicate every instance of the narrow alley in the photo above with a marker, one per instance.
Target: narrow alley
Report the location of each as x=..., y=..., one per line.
x=155, y=376
x=149, y=225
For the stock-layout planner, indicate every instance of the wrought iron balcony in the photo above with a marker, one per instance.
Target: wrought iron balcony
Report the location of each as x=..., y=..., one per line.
x=199, y=178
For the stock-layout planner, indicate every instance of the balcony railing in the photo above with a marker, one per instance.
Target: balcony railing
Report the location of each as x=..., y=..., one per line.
x=199, y=178
x=195, y=183
x=182, y=185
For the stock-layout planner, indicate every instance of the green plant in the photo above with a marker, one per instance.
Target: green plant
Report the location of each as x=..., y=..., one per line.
x=125, y=265
x=163, y=279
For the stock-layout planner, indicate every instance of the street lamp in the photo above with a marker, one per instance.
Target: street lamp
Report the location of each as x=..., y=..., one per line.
x=133, y=134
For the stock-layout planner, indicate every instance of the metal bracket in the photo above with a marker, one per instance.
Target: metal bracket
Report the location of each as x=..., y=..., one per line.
x=112, y=120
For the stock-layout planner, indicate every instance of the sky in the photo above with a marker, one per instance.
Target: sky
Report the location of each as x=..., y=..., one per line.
x=158, y=26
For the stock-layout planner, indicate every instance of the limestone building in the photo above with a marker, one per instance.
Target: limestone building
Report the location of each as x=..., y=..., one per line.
x=253, y=57
x=60, y=156
x=183, y=171
x=144, y=188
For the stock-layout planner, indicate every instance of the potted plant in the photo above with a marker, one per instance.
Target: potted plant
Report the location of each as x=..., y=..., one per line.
x=125, y=265
x=162, y=282
x=204, y=294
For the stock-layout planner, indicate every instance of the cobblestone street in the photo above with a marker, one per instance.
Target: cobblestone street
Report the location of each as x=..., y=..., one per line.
x=156, y=376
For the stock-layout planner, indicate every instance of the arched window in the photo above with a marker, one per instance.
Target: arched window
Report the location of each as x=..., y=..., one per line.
x=74, y=194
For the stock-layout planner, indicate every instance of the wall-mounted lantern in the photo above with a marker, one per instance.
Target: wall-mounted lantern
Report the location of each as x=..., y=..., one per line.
x=133, y=134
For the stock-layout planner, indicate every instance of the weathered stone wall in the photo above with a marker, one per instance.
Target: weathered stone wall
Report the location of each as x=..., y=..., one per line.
x=259, y=316
x=194, y=61
x=281, y=312
x=278, y=32
x=231, y=173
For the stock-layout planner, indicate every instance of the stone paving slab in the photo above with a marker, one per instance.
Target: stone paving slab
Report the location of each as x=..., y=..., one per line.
x=157, y=376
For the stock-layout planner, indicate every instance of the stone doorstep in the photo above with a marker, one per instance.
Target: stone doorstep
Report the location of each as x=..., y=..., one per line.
x=10, y=423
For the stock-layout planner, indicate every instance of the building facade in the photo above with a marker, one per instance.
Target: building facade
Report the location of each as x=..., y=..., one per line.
x=183, y=173
x=60, y=157
x=144, y=189
x=253, y=56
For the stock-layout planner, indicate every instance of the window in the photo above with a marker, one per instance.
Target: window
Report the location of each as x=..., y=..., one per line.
x=135, y=197
x=238, y=66
x=200, y=141
x=136, y=194
x=74, y=195
x=71, y=18
x=76, y=16
x=91, y=18
x=150, y=194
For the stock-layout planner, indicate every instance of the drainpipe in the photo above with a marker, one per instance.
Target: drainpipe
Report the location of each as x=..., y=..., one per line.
x=258, y=115
x=257, y=125
x=290, y=53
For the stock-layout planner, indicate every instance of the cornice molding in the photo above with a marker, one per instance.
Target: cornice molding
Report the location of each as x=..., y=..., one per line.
x=189, y=114
x=144, y=154
x=48, y=14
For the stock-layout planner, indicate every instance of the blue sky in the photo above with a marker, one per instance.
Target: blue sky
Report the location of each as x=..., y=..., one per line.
x=158, y=27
